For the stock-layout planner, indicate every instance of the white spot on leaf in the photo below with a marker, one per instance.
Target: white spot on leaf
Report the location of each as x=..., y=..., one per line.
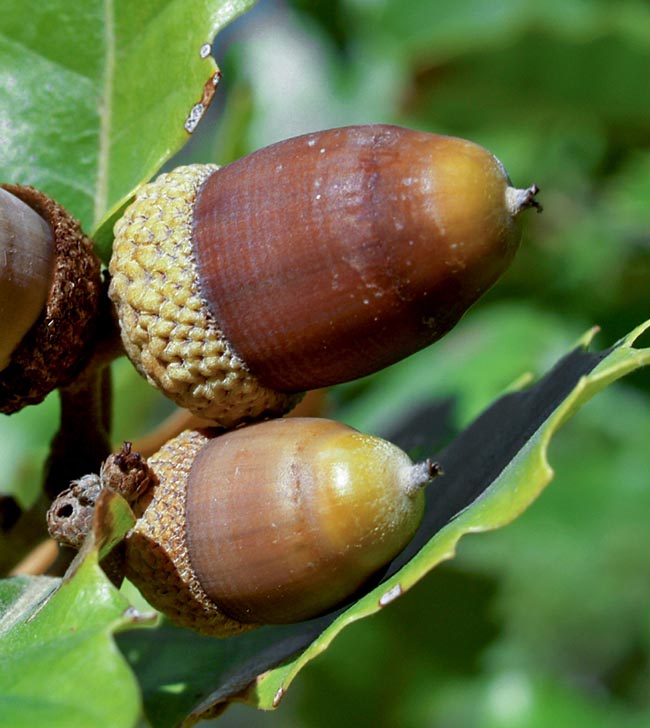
x=278, y=697
x=194, y=117
x=390, y=596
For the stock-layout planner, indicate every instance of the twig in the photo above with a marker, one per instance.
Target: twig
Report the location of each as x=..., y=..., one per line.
x=314, y=404
x=83, y=440
x=38, y=560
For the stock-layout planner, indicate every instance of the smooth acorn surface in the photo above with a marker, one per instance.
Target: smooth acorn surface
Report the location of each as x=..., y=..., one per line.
x=332, y=255
x=288, y=519
x=26, y=271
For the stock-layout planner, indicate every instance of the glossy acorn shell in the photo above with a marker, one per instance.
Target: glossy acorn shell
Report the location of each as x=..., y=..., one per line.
x=27, y=254
x=288, y=519
x=332, y=255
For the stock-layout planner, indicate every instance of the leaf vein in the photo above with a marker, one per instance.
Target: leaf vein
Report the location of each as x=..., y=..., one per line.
x=106, y=109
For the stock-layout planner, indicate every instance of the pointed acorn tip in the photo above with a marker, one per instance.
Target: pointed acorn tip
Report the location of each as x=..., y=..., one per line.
x=519, y=200
x=421, y=474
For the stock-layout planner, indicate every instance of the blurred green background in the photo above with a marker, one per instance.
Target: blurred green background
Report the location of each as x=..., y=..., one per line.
x=546, y=623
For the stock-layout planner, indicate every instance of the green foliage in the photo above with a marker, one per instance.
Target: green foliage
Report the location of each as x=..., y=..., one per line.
x=541, y=623
x=96, y=94
x=495, y=469
x=57, y=654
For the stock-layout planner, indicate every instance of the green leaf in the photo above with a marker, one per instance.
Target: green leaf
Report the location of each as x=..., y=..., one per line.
x=57, y=655
x=24, y=438
x=592, y=521
x=95, y=95
x=494, y=470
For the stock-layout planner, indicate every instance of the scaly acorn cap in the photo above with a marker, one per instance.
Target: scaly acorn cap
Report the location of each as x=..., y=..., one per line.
x=58, y=345
x=167, y=330
x=157, y=558
x=154, y=554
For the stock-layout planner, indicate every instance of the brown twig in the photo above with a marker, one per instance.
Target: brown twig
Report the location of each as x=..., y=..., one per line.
x=173, y=425
x=39, y=560
x=314, y=404
x=83, y=440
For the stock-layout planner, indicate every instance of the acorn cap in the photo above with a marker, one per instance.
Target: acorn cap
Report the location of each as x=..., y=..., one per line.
x=157, y=558
x=59, y=344
x=167, y=330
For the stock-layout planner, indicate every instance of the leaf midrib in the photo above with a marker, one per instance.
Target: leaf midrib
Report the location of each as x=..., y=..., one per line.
x=105, y=113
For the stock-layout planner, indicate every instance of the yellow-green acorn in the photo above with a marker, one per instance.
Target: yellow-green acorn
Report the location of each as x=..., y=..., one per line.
x=276, y=522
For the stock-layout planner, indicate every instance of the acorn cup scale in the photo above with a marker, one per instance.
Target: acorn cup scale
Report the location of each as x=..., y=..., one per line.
x=50, y=292
x=272, y=523
x=311, y=262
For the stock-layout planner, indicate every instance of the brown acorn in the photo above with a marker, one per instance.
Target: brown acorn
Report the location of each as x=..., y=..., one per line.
x=277, y=522
x=311, y=262
x=50, y=288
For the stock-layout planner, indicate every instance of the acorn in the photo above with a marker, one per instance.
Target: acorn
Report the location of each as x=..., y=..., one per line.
x=311, y=262
x=50, y=289
x=272, y=523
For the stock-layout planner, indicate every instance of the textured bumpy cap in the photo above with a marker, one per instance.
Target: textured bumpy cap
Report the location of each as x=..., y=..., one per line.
x=167, y=330
x=60, y=342
x=157, y=558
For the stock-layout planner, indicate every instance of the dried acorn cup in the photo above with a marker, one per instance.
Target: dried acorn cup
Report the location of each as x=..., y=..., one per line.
x=50, y=290
x=311, y=262
x=277, y=522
